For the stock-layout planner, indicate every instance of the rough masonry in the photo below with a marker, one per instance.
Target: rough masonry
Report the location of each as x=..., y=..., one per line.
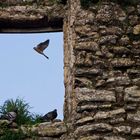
x=101, y=70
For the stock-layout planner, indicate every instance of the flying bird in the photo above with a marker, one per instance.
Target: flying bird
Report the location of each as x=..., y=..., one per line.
x=50, y=116
x=41, y=47
x=10, y=116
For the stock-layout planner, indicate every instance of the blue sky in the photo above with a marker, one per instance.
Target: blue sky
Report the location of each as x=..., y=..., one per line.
x=26, y=74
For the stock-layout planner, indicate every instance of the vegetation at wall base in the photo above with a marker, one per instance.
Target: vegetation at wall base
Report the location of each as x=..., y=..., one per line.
x=24, y=116
x=11, y=135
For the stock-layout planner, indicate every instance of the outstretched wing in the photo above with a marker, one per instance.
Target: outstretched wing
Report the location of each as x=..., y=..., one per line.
x=43, y=45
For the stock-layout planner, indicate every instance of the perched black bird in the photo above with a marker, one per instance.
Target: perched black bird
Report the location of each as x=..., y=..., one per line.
x=10, y=116
x=41, y=47
x=50, y=116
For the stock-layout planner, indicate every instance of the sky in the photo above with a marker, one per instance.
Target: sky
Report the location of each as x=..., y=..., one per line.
x=30, y=76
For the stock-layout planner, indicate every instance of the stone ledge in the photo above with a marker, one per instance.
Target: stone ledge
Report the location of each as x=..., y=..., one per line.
x=46, y=129
x=39, y=18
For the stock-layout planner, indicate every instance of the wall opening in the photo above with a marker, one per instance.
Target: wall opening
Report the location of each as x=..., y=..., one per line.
x=29, y=75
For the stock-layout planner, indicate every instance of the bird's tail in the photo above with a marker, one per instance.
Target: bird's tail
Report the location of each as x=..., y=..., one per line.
x=45, y=56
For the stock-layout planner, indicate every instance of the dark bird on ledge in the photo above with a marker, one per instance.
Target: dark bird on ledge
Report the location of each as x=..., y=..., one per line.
x=10, y=116
x=41, y=47
x=50, y=116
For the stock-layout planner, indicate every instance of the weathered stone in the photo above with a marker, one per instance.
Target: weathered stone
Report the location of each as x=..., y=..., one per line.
x=124, y=40
x=88, y=72
x=136, y=131
x=89, y=95
x=130, y=9
x=131, y=106
x=136, y=49
x=46, y=129
x=136, y=44
x=100, y=127
x=100, y=83
x=136, y=82
x=119, y=50
x=119, y=89
x=122, y=62
x=84, y=59
x=107, y=13
x=88, y=15
x=105, y=53
x=114, y=30
x=80, y=57
x=14, y=2
x=116, y=120
x=100, y=64
x=92, y=107
x=89, y=46
x=119, y=13
x=134, y=117
x=133, y=71
x=138, y=8
x=104, y=14
x=109, y=39
x=136, y=29
x=94, y=137
x=98, y=53
x=123, y=80
x=122, y=129
x=133, y=19
x=108, y=114
x=132, y=94
x=42, y=138
x=83, y=82
x=88, y=60
x=84, y=31
x=84, y=120
x=113, y=138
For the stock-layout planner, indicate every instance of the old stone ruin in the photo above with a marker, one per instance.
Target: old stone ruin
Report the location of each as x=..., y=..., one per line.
x=101, y=64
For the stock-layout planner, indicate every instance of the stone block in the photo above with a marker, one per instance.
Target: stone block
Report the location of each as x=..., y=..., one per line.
x=134, y=117
x=113, y=138
x=108, y=114
x=136, y=131
x=88, y=72
x=46, y=129
x=109, y=39
x=132, y=94
x=91, y=95
x=99, y=127
x=122, y=129
x=136, y=29
x=84, y=120
x=88, y=46
x=122, y=62
x=92, y=107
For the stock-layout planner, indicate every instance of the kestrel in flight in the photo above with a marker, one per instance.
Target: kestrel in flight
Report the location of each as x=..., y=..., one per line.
x=41, y=47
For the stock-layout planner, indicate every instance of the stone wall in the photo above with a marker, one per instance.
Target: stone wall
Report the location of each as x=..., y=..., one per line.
x=31, y=16
x=101, y=71
x=41, y=131
x=103, y=78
